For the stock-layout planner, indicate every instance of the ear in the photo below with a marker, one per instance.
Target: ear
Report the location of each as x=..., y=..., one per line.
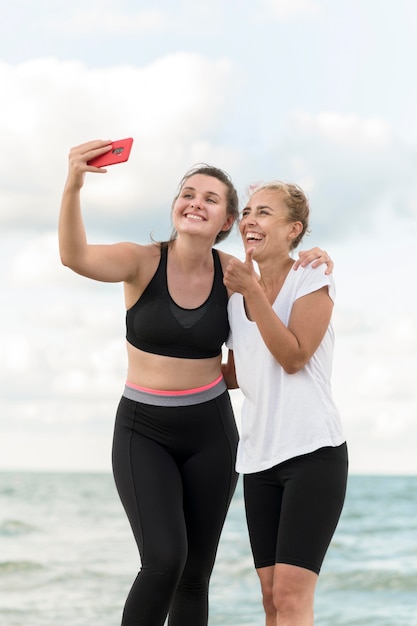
x=295, y=229
x=228, y=223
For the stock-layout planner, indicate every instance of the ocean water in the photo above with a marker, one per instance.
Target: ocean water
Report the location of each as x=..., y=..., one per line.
x=67, y=556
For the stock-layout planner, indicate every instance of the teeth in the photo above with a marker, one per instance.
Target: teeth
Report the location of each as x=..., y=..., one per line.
x=198, y=218
x=255, y=236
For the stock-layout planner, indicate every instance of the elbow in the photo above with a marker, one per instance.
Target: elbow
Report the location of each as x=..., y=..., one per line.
x=71, y=264
x=231, y=382
x=291, y=369
x=71, y=259
x=64, y=259
x=293, y=365
x=229, y=376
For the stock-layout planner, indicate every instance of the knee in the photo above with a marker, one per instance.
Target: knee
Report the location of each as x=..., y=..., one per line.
x=167, y=564
x=284, y=599
x=197, y=586
x=268, y=598
x=293, y=600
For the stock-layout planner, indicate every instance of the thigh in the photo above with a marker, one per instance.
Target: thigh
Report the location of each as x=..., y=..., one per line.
x=293, y=508
x=150, y=488
x=209, y=480
x=313, y=497
x=263, y=500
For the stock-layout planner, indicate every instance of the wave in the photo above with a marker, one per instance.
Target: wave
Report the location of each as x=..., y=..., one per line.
x=370, y=580
x=13, y=528
x=19, y=567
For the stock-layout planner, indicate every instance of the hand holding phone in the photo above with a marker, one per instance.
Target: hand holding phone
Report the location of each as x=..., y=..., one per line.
x=119, y=153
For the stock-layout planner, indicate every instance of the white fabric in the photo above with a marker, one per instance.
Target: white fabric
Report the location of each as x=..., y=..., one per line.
x=283, y=415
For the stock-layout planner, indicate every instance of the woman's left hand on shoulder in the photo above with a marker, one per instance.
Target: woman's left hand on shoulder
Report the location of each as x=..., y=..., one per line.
x=315, y=256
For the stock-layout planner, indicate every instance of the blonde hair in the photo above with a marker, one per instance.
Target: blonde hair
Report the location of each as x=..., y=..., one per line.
x=295, y=200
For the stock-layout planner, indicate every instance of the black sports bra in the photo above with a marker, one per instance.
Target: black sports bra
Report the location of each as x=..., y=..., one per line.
x=156, y=324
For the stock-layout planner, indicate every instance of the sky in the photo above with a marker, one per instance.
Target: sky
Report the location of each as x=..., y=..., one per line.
x=315, y=92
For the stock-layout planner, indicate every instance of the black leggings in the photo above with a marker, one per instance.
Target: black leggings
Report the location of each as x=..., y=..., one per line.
x=174, y=471
x=293, y=508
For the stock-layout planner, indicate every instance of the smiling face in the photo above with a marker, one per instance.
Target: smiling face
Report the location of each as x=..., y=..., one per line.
x=201, y=207
x=266, y=226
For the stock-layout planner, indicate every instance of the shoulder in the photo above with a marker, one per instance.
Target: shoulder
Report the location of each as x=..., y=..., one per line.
x=224, y=258
x=137, y=248
x=142, y=251
x=145, y=262
x=308, y=279
x=143, y=259
x=312, y=273
x=136, y=253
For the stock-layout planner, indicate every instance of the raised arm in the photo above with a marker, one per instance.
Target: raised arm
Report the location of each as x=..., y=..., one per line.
x=108, y=263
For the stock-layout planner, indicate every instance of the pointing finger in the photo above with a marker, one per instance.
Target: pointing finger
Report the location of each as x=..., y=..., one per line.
x=249, y=255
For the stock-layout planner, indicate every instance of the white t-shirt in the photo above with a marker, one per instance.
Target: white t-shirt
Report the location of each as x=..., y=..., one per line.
x=283, y=415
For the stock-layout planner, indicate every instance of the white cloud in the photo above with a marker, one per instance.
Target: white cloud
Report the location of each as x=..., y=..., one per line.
x=169, y=107
x=347, y=130
x=351, y=167
x=36, y=261
x=356, y=171
x=373, y=384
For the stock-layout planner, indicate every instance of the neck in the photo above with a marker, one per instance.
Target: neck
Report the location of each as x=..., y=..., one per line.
x=273, y=270
x=191, y=252
x=273, y=275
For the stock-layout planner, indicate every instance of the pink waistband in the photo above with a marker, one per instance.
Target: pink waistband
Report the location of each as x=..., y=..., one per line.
x=185, y=392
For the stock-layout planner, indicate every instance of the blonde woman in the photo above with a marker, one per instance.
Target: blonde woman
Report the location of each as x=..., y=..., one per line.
x=292, y=450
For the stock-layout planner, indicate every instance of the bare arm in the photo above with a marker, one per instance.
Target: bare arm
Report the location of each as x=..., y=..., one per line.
x=294, y=346
x=108, y=263
x=228, y=371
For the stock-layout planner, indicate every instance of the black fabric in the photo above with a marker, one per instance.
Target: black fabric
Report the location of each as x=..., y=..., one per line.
x=174, y=471
x=156, y=324
x=293, y=508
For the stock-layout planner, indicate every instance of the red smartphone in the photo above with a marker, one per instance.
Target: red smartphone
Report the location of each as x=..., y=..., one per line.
x=119, y=153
